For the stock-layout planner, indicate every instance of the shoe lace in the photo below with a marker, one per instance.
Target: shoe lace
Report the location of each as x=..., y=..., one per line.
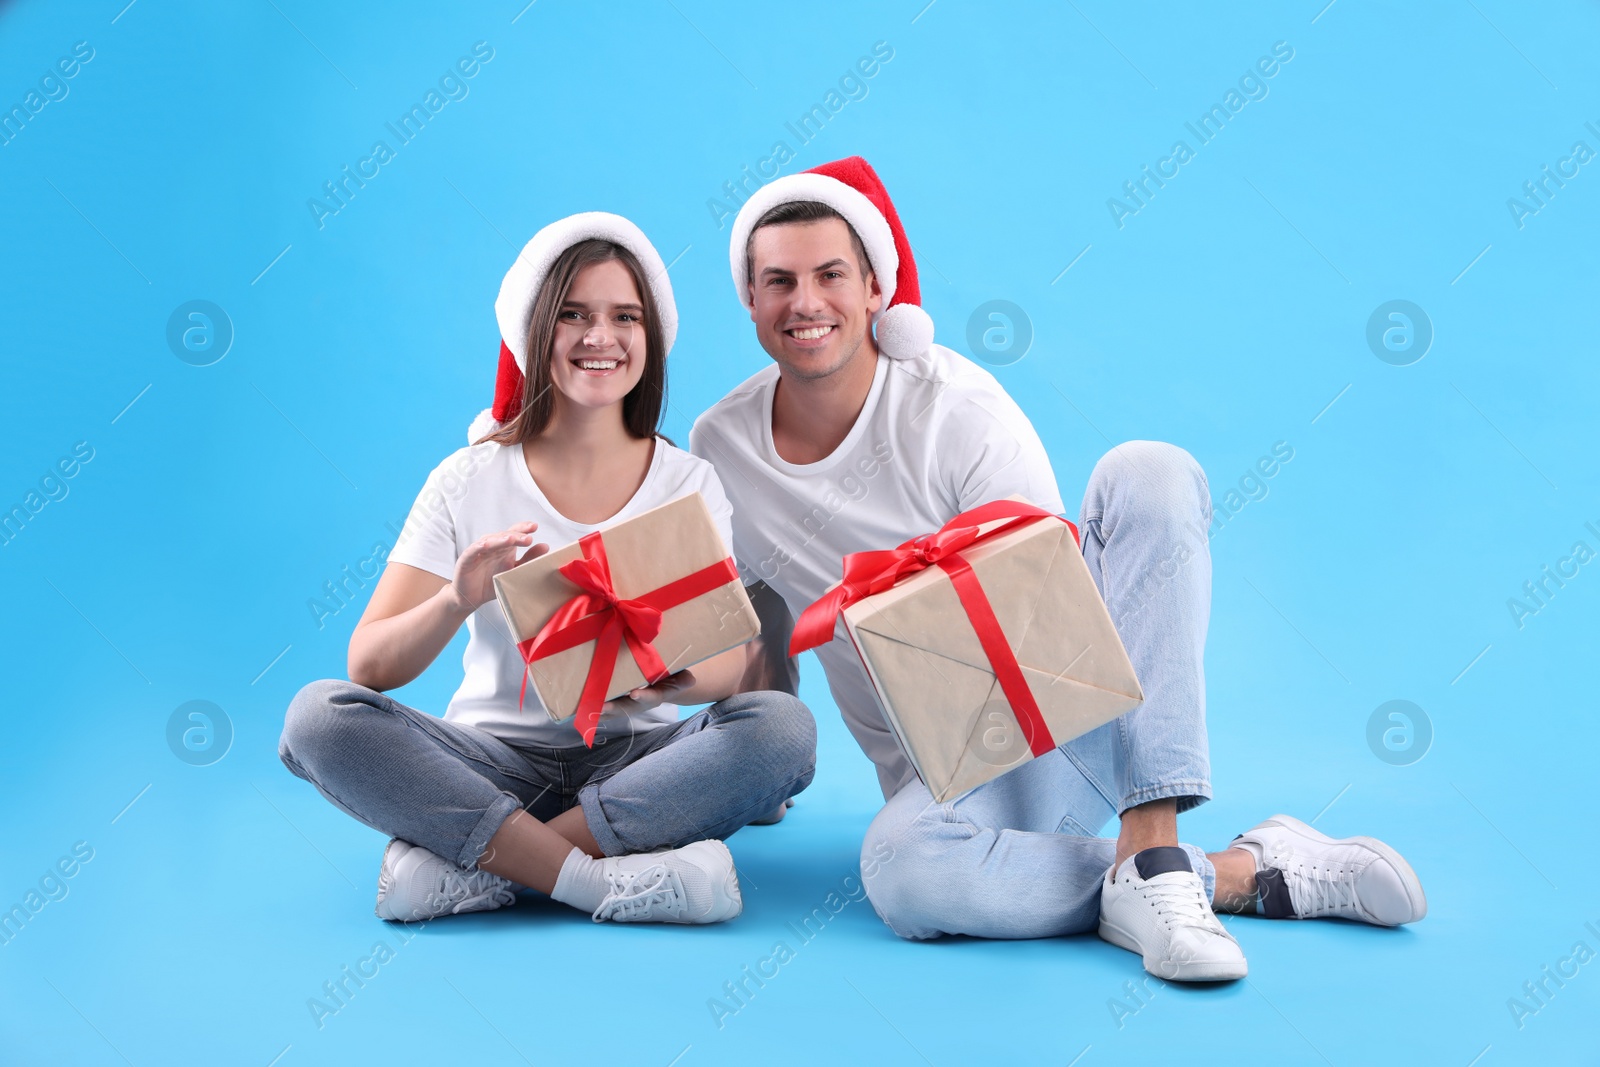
x=1318, y=889
x=635, y=894
x=463, y=891
x=1180, y=902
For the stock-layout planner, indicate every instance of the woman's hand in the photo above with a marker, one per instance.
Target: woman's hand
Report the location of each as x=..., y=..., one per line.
x=647, y=698
x=486, y=557
x=711, y=680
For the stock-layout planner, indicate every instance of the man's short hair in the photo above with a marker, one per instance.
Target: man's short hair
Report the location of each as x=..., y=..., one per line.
x=798, y=211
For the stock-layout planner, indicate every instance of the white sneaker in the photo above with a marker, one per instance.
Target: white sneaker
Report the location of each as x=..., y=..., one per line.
x=414, y=884
x=1154, y=904
x=693, y=884
x=1303, y=873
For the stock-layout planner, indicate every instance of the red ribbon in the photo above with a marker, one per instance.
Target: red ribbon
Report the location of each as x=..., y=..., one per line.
x=600, y=615
x=868, y=573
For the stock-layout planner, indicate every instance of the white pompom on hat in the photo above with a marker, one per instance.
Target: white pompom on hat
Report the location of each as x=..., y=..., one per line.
x=513, y=308
x=852, y=188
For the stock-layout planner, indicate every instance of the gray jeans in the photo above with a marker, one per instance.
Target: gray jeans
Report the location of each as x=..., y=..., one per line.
x=448, y=787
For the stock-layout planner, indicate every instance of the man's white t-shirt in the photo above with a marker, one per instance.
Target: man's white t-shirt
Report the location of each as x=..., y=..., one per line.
x=936, y=436
x=484, y=489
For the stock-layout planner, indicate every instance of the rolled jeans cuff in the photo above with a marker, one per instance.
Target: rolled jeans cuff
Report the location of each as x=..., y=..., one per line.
x=486, y=827
x=594, y=814
x=1189, y=794
x=1204, y=868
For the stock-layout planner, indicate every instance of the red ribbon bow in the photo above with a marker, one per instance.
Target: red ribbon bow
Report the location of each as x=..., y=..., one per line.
x=868, y=573
x=600, y=615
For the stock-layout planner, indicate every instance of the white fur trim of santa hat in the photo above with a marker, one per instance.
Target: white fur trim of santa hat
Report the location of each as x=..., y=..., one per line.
x=483, y=423
x=513, y=309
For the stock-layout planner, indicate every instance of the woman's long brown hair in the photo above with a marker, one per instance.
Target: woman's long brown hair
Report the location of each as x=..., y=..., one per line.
x=641, y=408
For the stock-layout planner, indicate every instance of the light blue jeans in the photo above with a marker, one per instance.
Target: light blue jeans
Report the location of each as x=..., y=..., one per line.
x=1019, y=855
x=448, y=787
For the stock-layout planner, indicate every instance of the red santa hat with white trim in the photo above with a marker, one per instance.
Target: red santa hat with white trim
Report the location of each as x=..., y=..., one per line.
x=513, y=309
x=852, y=188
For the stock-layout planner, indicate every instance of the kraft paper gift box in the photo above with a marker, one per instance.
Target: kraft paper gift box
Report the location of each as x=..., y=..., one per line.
x=670, y=558
x=939, y=689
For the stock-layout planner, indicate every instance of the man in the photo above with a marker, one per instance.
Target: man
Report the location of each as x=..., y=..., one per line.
x=854, y=440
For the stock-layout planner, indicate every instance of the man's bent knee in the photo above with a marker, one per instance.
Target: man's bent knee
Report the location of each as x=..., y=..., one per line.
x=893, y=895
x=1151, y=471
x=901, y=868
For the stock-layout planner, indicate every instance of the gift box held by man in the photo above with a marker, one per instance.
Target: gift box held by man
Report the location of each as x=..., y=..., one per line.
x=986, y=641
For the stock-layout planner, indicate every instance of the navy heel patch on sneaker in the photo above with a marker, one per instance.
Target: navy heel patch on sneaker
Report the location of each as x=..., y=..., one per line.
x=1274, y=894
x=1161, y=859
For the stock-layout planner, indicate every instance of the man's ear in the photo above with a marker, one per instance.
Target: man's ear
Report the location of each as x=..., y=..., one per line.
x=750, y=292
x=874, y=294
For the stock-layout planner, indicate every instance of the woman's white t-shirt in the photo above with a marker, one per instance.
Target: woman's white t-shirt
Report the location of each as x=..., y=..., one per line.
x=484, y=489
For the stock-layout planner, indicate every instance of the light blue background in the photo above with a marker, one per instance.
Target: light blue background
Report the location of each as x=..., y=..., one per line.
x=1224, y=316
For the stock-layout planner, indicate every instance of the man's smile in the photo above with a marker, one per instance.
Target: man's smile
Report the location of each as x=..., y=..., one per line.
x=814, y=332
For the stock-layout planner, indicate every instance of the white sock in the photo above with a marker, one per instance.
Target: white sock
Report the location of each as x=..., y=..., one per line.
x=1258, y=908
x=581, y=883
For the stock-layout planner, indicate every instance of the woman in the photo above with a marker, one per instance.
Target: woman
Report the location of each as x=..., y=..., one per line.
x=490, y=798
